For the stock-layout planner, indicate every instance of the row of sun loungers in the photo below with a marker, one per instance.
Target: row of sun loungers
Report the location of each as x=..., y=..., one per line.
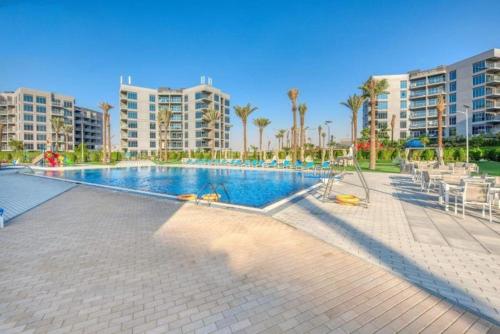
x=285, y=164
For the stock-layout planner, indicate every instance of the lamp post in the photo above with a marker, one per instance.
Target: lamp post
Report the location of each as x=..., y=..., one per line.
x=327, y=123
x=81, y=135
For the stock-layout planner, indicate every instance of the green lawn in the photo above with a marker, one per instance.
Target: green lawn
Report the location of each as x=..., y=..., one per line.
x=489, y=167
x=383, y=166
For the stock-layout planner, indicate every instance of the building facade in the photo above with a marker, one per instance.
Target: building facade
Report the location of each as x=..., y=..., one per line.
x=140, y=129
x=471, y=85
x=26, y=114
x=88, y=127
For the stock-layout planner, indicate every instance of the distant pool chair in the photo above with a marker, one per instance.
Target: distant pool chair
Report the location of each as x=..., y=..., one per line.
x=309, y=165
x=476, y=193
x=272, y=164
x=287, y=164
x=298, y=165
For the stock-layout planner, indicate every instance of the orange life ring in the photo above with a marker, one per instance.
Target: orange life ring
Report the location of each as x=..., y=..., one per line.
x=187, y=197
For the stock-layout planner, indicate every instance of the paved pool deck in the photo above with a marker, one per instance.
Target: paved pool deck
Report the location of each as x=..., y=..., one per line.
x=405, y=231
x=98, y=261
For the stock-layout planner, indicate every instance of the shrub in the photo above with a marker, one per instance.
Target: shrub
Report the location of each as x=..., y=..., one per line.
x=428, y=155
x=460, y=154
x=476, y=154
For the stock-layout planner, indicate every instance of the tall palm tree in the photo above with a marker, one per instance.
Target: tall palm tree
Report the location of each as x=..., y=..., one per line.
x=440, y=111
x=106, y=140
x=371, y=89
x=16, y=145
x=261, y=123
x=1, y=135
x=57, y=125
x=164, y=118
x=292, y=95
x=278, y=138
x=323, y=134
x=243, y=112
x=320, y=131
x=67, y=129
x=302, y=114
x=354, y=103
x=393, y=124
x=211, y=116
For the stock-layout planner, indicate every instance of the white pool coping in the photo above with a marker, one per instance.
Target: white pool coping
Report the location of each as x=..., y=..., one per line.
x=265, y=209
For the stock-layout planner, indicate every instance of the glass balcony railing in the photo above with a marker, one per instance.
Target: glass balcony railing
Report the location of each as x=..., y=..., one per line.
x=492, y=105
x=493, y=78
x=432, y=123
x=434, y=91
x=491, y=91
x=493, y=65
x=418, y=114
x=417, y=93
x=436, y=80
x=415, y=125
x=417, y=104
x=419, y=83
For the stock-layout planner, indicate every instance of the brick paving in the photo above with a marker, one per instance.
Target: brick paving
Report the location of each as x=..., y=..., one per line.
x=407, y=232
x=97, y=261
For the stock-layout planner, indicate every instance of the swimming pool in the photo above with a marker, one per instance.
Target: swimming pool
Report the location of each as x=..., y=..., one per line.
x=253, y=188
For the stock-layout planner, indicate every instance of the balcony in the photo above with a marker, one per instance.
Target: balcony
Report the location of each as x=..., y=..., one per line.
x=420, y=114
x=417, y=125
x=492, y=92
x=416, y=84
x=492, y=106
x=417, y=104
x=493, y=80
x=417, y=93
x=434, y=91
x=492, y=67
x=432, y=124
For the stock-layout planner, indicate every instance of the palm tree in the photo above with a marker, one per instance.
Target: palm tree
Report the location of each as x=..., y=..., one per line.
x=292, y=95
x=164, y=118
x=371, y=89
x=67, y=129
x=393, y=124
x=106, y=148
x=440, y=111
x=16, y=145
x=261, y=123
x=243, y=112
x=320, y=130
x=57, y=125
x=354, y=103
x=211, y=116
x=323, y=134
x=1, y=135
x=302, y=114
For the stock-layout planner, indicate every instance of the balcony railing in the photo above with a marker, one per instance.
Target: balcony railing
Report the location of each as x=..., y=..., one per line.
x=492, y=91
x=417, y=93
x=493, y=78
x=417, y=115
x=417, y=125
x=418, y=104
x=493, y=65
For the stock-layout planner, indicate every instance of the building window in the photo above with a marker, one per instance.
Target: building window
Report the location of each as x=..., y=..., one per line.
x=403, y=105
x=28, y=136
x=453, y=75
x=478, y=79
x=478, y=104
x=28, y=147
x=41, y=118
x=152, y=126
x=132, y=114
x=478, y=117
x=152, y=107
x=402, y=135
x=131, y=105
x=28, y=117
x=383, y=96
x=40, y=147
x=478, y=91
x=452, y=98
x=28, y=98
x=403, y=94
x=382, y=105
x=452, y=109
x=152, y=117
x=41, y=127
x=132, y=125
x=453, y=86
x=453, y=120
x=402, y=124
x=152, y=144
x=41, y=100
x=452, y=132
x=152, y=98
x=68, y=104
x=479, y=66
x=28, y=127
x=403, y=84
x=41, y=109
x=152, y=135
x=41, y=136
x=132, y=143
x=132, y=95
x=132, y=134
x=28, y=107
x=402, y=114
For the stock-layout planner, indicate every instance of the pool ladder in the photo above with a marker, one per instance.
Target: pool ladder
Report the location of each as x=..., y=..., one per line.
x=214, y=187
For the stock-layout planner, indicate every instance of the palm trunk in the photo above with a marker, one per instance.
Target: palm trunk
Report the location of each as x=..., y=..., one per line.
x=440, y=135
x=261, y=131
x=373, y=133
x=392, y=134
x=213, y=141
x=355, y=128
x=294, y=133
x=104, y=138
x=244, y=140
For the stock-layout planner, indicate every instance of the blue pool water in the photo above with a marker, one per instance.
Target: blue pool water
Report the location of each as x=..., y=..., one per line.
x=254, y=188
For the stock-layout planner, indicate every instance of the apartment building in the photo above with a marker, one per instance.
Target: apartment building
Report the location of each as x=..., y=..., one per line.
x=140, y=129
x=470, y=86
x=26, y=114
x=88, y=127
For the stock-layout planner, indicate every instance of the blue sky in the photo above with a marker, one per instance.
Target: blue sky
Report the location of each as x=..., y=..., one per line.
x=255, y=50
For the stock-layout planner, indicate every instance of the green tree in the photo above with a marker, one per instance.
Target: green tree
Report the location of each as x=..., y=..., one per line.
x=68, y=130
x=302, y=114
x=292, y=95
x=57, y=125
x=243, y=112
x=16, y=145
x=164, y=119
x=261, y=123
x=354, y=103
x=371, y=89
x=211, y=116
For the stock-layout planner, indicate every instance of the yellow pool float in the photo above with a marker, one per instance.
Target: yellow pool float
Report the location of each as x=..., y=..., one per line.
x=187, y=197
x=211, y=197
x=346, y=199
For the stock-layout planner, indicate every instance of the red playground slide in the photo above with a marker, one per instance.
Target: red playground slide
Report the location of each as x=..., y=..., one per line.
x=52, y=158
